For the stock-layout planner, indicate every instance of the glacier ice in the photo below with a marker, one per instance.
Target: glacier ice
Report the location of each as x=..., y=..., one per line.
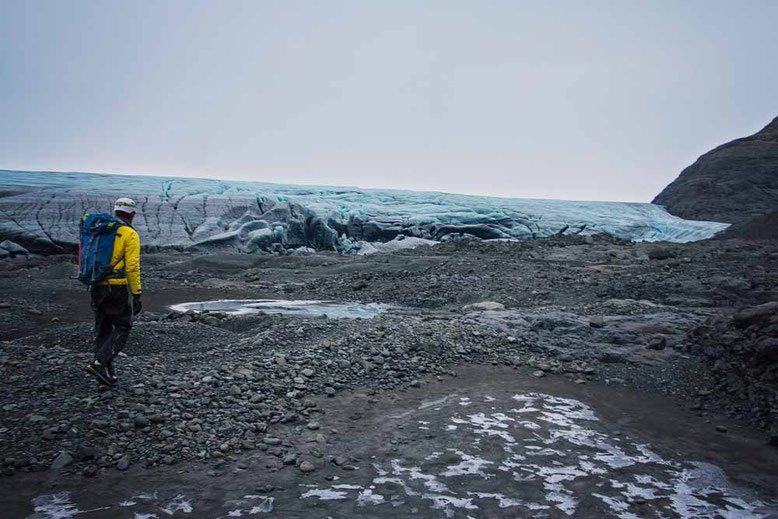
x=40, y=210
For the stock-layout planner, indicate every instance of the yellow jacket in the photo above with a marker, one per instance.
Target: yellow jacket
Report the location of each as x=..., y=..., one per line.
x=126, y=257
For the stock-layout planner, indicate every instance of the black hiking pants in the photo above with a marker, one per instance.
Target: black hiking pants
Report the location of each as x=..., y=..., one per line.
x=113, y=320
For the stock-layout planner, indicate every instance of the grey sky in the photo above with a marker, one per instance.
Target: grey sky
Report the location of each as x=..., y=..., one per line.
x=597, y=100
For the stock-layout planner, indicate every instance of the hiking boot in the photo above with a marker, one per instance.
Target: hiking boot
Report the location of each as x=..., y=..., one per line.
x=100, y=373
x=111, y=375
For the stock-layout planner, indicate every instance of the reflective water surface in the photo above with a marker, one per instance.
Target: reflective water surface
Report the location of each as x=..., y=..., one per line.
x=292, y=308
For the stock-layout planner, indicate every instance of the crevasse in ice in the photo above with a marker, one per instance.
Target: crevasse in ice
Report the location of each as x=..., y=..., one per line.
x=41, y=210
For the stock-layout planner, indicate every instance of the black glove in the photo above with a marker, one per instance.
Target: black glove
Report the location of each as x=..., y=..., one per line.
x=137, y=306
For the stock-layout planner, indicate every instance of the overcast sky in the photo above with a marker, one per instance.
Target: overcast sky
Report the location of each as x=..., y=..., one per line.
x=587, y=100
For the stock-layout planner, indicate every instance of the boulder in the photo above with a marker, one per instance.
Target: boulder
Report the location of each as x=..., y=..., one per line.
x=759, y=315
x=61, y=461
x=658, y=342
x=13, y=249
x=597, y=322
x=660, y=253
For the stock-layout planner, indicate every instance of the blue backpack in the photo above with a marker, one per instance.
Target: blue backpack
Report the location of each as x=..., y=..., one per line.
x=95, y=248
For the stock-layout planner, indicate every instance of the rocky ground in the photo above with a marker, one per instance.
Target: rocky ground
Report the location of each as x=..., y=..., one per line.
x=695, y=325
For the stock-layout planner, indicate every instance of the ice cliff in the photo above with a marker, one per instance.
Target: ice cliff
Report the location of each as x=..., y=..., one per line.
x=41, y=210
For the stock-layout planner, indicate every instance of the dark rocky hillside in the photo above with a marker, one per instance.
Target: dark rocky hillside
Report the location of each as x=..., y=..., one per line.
x=763, y=227
x=733, y=183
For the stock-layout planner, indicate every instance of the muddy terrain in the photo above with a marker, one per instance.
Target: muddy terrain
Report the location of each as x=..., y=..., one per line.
x=567, y=377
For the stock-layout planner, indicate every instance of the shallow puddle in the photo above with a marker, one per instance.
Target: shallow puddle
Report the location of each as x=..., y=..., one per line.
x=308, y=309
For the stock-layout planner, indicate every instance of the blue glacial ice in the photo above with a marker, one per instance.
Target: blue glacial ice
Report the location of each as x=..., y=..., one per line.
x=40, y=210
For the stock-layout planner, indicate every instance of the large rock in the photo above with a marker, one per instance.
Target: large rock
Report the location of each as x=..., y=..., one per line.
x=755, y=315
x=13, y=249
x=733, y=183
x=763, y=227
x=61, y=461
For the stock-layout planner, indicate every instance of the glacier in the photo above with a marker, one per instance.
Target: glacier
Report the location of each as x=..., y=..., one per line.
x=41, y=210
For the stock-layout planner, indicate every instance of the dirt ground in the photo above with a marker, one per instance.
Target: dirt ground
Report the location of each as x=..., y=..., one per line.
x=590, y=390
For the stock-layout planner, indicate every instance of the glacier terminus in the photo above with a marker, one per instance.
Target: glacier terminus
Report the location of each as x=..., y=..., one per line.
x=41, y=210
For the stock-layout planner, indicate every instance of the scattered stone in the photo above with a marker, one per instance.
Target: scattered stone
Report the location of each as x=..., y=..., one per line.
x=660, y=253
x=538, y=373
x=415, y=383
x=721, y=429
x=597, y=322
x=85, y=452
x=123, y=463
x=658, y=342
x=61, y=461
x=307, y=466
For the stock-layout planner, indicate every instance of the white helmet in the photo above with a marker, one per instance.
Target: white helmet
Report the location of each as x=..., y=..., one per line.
x=125, y=205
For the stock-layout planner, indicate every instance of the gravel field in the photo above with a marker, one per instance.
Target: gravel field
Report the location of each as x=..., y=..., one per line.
x=693, y=327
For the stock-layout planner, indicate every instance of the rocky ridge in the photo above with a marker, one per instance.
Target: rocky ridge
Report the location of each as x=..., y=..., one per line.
x=732, y=183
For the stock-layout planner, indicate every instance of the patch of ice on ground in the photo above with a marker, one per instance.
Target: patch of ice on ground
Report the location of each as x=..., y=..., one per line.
x=293, y=308
x=251, y=504
x=449, y=503
x=425, y=404
x=562, y=456
x=507, y=502
x=493, y=425
x=178, y=504
x=617, y=505
x=325, y=494
x=367, y=497
x=430, y=480
x=55, y=506
x=561, y=497
x=469, y=466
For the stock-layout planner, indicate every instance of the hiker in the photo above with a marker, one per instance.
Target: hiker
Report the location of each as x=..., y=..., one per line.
x=112, y=288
